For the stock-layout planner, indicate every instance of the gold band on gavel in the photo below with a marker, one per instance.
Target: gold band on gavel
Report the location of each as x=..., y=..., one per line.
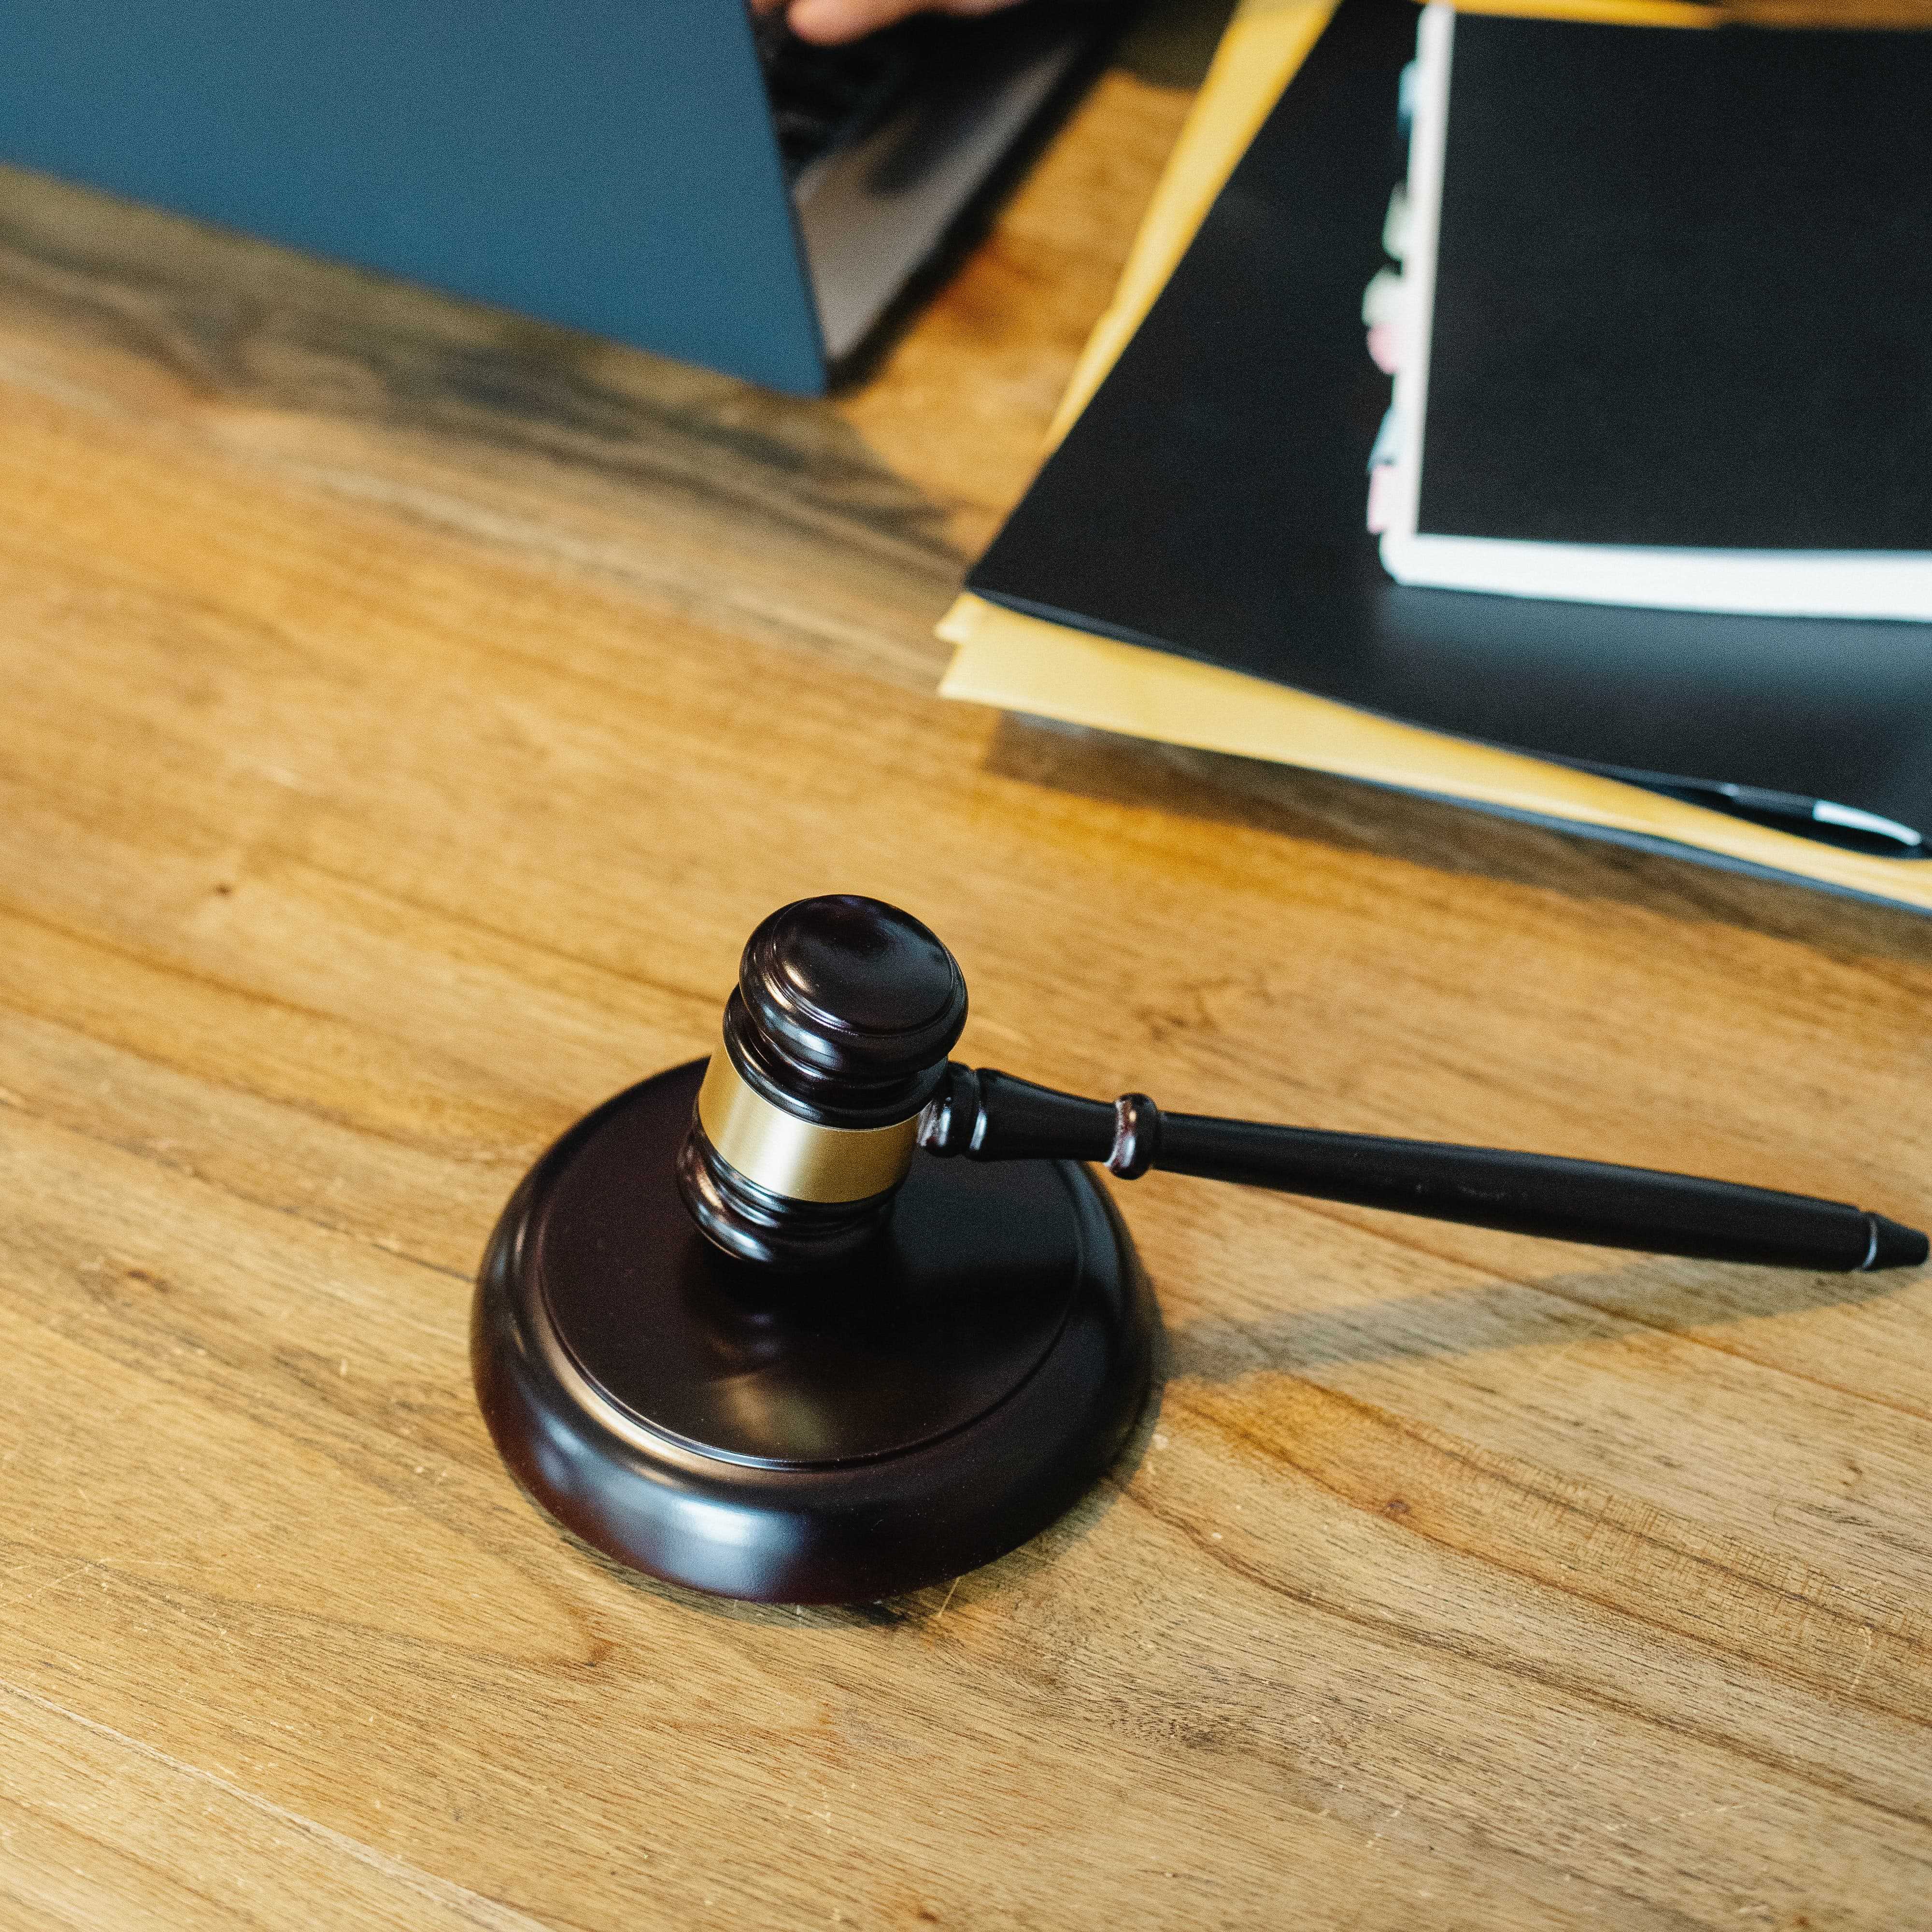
x=794, y=1158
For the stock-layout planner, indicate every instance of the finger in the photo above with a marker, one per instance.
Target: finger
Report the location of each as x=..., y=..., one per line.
x=829, y=21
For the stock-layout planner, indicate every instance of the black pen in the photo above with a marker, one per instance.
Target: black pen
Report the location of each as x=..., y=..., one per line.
x=1783, y=810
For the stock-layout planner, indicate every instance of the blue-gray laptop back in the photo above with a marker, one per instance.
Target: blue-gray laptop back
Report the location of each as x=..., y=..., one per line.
x=606, y=164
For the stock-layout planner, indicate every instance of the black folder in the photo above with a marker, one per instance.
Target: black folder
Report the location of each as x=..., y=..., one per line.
x=1209, y=501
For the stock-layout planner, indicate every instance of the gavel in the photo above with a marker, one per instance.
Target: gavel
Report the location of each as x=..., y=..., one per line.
x=828, y=1316
x=834, y=1075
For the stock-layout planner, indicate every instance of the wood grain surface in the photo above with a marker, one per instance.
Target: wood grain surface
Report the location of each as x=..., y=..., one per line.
x=408, y=712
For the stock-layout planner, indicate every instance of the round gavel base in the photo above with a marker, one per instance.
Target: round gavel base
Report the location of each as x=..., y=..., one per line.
x=828, y=1438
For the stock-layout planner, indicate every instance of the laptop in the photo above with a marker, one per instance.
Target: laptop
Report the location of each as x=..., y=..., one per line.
x=668, y=173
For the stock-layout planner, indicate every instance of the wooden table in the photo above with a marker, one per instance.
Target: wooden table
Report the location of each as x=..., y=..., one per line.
x=407, y=714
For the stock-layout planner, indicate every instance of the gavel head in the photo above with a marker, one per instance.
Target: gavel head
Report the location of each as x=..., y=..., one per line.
x=835, y=1039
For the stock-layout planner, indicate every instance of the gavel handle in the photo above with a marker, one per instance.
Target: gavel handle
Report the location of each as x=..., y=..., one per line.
x=986, y=1115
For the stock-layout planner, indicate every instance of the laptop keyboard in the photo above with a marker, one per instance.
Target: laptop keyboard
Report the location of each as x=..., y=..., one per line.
x=827, y=97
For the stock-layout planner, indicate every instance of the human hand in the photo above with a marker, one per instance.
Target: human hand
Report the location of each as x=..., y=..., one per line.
x=830, y=21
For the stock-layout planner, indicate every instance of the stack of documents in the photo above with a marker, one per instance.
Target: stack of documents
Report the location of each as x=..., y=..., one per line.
x=1657, y=531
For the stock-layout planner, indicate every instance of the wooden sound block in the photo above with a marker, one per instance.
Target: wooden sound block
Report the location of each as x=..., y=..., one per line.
x=831, y=1437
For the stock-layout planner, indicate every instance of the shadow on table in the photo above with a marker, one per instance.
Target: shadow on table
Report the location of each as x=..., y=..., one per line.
x=510, y=431
x=1664, y=1296
x=1354, y=817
